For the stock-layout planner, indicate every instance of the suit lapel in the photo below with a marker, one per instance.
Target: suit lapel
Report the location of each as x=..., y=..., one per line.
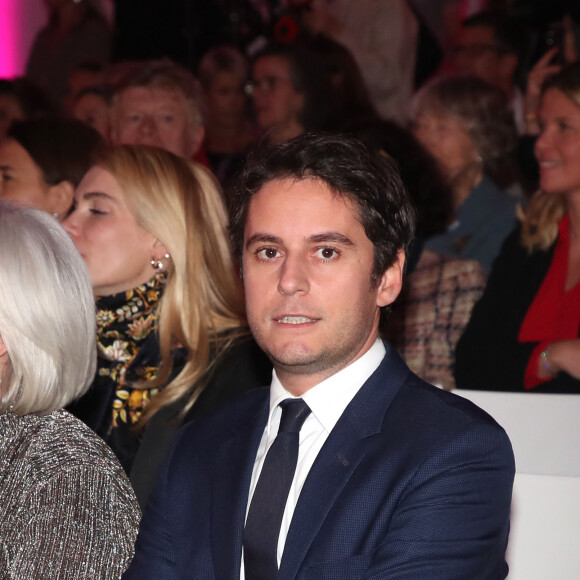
x=229, y=496
x=346, y=446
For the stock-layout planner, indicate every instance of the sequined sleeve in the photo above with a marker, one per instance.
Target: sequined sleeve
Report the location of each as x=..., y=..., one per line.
x=67, y=509
x=62, y=537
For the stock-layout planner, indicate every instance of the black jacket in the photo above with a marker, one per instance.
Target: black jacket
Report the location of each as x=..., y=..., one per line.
x=488, y=355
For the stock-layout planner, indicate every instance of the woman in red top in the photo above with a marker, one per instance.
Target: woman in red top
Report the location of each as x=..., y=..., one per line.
x=524, y=333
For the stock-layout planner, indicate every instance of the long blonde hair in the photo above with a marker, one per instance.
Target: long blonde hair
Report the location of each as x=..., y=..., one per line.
x=202, y=307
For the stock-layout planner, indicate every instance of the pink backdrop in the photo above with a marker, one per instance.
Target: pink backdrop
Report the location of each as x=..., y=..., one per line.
x=20, y=20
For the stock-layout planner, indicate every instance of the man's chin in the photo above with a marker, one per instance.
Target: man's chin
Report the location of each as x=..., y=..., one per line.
x=294, y=358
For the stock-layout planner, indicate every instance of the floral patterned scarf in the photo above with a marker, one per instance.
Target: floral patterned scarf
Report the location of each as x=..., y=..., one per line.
x=128, y=350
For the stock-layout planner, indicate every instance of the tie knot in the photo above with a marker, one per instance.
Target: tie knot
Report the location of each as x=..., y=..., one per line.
x=294, y=413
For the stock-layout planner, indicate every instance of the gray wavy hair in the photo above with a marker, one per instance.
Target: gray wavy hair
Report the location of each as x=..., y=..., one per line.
x=482, y=108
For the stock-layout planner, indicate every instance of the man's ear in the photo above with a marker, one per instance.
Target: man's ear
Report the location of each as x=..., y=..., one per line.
x=391, y=281
x=60, y=198
x=3, y=350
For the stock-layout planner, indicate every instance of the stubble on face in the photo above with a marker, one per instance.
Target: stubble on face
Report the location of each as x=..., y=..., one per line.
x=300, y=359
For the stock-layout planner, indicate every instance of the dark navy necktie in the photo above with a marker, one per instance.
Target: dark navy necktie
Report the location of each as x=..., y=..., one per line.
x=269, y=500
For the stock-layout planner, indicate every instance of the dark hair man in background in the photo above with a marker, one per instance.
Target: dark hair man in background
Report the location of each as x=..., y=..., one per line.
x=494, y=47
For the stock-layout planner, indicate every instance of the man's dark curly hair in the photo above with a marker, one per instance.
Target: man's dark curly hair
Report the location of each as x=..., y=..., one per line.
x=349, y=169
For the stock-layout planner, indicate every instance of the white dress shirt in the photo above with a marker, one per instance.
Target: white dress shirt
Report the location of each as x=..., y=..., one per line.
x=327, y=401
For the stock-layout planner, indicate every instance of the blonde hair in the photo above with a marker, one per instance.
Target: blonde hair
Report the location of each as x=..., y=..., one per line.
x=540, y=220
x=202, y=307
x=47, y=314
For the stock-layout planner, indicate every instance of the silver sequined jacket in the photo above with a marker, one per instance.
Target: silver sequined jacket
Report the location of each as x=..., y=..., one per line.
x=67, y=510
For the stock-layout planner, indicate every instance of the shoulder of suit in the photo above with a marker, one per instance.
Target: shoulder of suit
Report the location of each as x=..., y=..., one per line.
x=427, y=400
x=229, y=416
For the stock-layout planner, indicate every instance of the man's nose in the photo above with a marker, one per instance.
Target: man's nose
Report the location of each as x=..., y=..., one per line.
x=147, y=127
x=294, y=276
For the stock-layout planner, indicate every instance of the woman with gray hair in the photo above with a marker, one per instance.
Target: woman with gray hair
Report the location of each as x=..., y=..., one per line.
x=68, y=510
x=466, y=124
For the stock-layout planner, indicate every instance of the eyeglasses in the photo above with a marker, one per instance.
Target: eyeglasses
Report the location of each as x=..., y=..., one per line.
x=266, y=84
x=473, y=50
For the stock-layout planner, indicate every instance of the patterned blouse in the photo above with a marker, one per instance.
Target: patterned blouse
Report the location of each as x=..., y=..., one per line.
x=125, y=322
x=128, y=356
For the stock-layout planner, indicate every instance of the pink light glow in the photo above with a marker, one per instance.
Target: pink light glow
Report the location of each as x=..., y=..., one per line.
x=9, y=37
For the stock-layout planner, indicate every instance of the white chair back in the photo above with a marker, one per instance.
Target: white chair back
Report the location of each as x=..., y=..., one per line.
x=545, y=522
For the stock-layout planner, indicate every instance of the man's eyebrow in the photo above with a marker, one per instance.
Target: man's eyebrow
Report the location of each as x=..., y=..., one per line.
x=323, y=238
x=6, y=167
x=261, y=238
x=330, y=237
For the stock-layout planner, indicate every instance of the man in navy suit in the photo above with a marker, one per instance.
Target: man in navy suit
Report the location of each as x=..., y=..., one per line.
x=394, y=478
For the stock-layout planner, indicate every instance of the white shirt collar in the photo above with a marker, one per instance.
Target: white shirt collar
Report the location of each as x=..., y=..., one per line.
x=329, y=399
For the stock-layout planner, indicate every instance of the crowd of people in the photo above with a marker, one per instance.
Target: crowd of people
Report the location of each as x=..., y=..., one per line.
x=296, y=216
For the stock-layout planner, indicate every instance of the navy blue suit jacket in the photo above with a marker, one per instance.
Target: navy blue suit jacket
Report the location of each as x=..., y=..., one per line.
x=413, y=482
